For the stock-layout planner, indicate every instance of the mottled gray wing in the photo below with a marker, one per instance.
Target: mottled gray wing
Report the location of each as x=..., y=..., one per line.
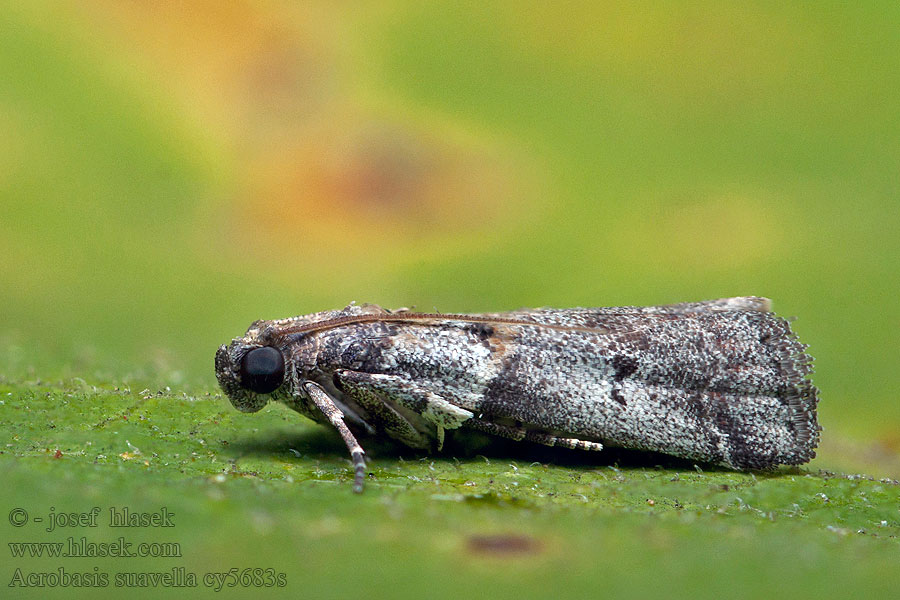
x=732, y=345
x=727, y=375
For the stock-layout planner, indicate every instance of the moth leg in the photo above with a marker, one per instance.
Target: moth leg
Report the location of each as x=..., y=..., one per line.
x=571, y=443
x=505, y=431
x=440, y=437
x=408, y=394
x=520, y=433
x=394, y=424
x=358, y=456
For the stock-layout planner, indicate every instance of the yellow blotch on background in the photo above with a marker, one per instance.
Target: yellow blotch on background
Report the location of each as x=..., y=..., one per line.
x=716, y=231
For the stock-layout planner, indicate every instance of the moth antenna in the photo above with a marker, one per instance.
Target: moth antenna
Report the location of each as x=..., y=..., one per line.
x=357, y=455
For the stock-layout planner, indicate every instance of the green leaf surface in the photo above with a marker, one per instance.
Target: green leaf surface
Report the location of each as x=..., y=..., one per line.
x=272, y=491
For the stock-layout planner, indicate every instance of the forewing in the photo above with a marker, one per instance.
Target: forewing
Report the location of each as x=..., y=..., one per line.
x=603, y=318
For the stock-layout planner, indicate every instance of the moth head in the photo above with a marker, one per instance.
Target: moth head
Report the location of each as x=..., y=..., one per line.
x=249, y=374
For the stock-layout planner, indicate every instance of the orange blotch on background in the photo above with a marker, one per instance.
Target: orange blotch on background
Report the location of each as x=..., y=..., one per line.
x=379, y=187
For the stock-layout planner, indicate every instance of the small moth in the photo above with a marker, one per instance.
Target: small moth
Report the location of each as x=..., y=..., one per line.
x=722, y=381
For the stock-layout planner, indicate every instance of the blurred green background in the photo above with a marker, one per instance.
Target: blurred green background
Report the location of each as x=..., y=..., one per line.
x=170, y=172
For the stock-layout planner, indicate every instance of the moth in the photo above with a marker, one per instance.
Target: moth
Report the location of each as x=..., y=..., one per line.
x=722, y=381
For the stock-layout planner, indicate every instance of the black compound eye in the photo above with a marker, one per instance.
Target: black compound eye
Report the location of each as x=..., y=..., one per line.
x=262, y=370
